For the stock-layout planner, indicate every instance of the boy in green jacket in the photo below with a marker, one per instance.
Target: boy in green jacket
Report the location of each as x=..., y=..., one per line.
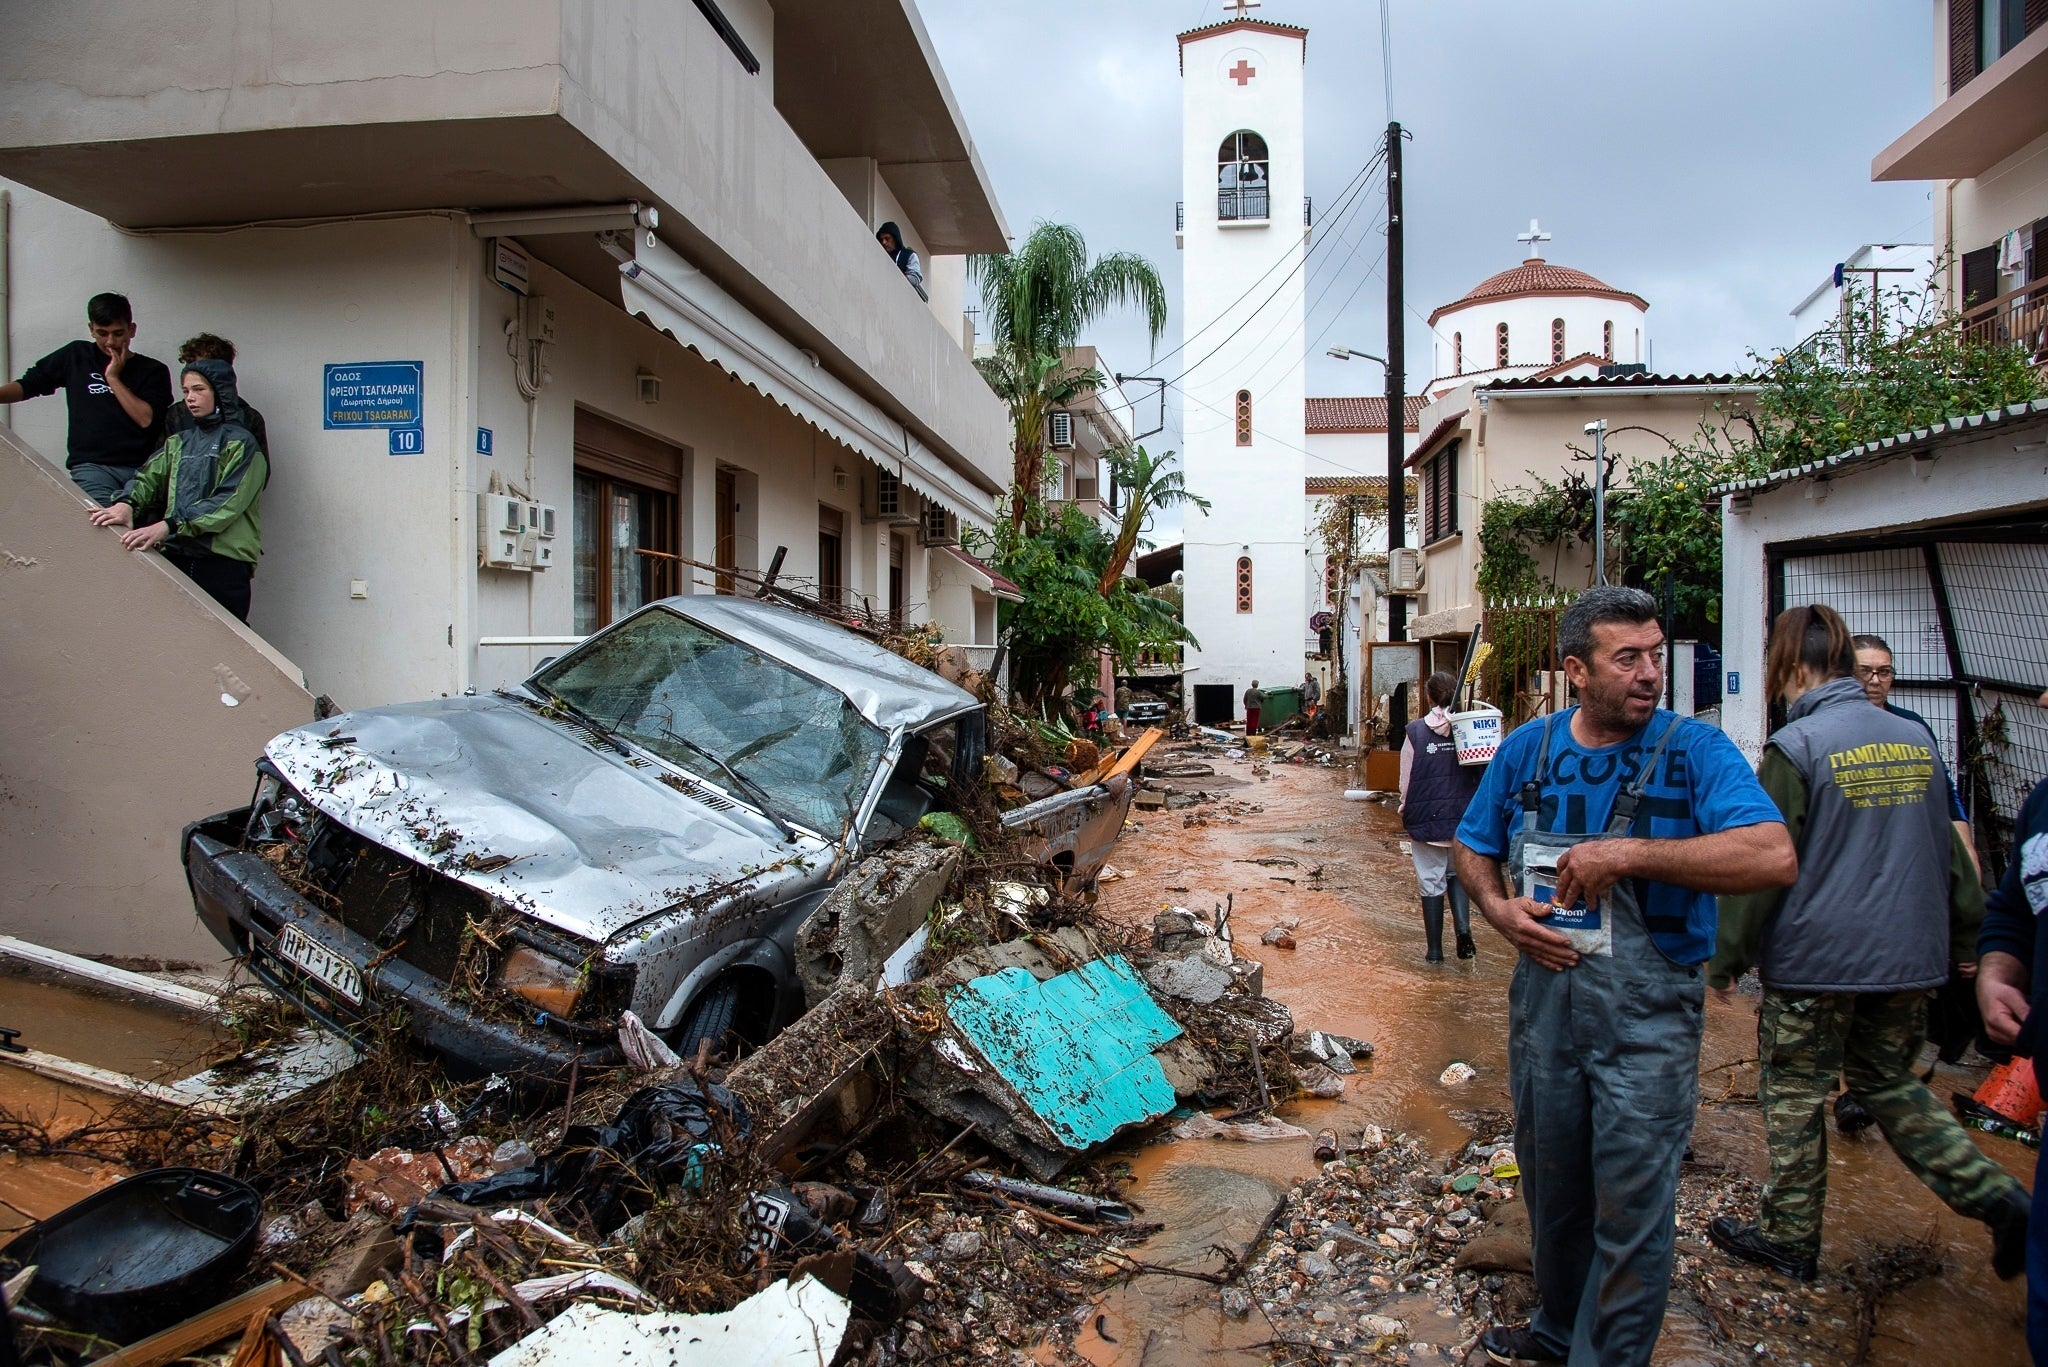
x=201, y=489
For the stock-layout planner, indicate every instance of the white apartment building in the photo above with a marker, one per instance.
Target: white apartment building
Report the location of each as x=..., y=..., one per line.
x=615, y=263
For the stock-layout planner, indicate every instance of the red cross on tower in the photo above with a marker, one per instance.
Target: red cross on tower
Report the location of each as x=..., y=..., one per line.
x=1242, y=72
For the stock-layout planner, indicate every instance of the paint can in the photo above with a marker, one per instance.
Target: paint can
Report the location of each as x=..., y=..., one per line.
x=1476, y=734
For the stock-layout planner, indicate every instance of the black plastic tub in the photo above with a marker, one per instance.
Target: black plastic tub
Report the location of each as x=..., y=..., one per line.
x=144, y=1254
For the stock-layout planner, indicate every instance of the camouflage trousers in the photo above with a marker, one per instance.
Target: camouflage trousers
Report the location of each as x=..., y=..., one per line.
x=1872, y=1039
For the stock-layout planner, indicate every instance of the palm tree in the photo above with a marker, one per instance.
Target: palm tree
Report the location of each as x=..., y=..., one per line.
x=1149, y=487
x=1035, y=301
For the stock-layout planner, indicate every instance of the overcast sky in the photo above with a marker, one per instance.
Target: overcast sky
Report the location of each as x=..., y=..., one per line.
x=1713, y=158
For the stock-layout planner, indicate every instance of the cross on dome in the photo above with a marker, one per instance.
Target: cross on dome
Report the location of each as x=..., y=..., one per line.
x=1535, y=237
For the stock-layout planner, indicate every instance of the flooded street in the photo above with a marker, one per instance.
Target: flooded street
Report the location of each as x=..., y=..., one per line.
x=1358, y=971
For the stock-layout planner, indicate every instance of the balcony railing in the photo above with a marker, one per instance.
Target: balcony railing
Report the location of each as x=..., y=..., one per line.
x=2019, y=318
x=1246, y=202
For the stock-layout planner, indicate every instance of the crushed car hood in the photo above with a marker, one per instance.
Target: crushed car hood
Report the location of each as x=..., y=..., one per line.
x=545, y=818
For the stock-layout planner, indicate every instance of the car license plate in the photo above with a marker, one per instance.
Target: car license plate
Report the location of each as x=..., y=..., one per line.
x=322, y=964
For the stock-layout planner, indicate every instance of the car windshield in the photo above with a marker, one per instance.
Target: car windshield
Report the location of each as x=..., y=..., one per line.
x=660, y=678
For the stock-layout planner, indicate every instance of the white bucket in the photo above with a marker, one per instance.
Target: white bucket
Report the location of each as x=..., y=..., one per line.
x=1476, y=734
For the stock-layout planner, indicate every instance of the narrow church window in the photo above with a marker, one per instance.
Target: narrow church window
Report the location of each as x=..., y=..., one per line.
x=1244, y=583
x=1457, y=353
x=1329, y=579
x=1244, y=417
x=1243, y=180
x=1607, y=340
x=1500, y=345
x=1556, y=340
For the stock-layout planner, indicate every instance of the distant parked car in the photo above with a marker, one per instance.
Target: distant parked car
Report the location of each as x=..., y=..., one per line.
x=1146, y=712
x=643, y=823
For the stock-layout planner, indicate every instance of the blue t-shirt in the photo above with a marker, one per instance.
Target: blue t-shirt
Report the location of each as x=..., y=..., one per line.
x=1702, y=786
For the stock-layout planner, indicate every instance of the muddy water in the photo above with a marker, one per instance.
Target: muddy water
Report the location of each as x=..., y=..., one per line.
x=1358, y=970
x=144, y=1039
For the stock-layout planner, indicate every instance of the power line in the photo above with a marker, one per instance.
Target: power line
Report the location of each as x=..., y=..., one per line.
x=1387, y=58
x=1350, y=192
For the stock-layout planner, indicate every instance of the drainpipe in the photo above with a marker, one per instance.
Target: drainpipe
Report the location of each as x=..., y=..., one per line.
x=6, y=316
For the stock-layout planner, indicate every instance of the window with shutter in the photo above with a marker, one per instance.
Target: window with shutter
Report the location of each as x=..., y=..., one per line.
x=1962, y=43
x=1440, y=495
x=1980, y=275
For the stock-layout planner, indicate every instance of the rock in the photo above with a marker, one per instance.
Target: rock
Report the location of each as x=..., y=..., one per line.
x=513, y=1153
x=869, y=915
x=961, y=1245
x=1457, y=1074
x=1382, y=1326
x=1150, y=801
x=1319, y=1081
x=1502, y=1243
x=1314, y=1264
x=1264, y=1019
x=1319, y=1049
x=1191, y=978
x=1236, y=1303
x=1176, y=930
x=1278, y=938
x=1250, y=975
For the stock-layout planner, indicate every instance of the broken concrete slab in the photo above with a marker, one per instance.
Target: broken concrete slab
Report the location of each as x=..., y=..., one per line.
x=824, y=1069
x=869, y=916
x=1190, y=977
x=790, y=1324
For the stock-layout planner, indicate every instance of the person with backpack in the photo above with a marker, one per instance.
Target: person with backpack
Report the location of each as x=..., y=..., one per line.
x=1435, y=789
x=196, y=499
x=1886, y=900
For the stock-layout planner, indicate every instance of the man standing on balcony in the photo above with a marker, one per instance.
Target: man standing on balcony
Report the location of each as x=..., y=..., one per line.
x=891, y=238
x=117, y=398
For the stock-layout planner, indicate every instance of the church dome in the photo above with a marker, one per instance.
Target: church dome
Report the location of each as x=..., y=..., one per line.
x=1536, y=276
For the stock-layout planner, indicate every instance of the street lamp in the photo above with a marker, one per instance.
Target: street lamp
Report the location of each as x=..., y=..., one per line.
x=1597, y=430
x=1345, y=353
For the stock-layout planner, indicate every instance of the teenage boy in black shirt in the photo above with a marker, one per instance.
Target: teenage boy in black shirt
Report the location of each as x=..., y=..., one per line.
x=117, y=397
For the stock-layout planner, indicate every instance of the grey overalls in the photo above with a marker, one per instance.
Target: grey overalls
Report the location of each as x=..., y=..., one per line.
x=1603, y=1066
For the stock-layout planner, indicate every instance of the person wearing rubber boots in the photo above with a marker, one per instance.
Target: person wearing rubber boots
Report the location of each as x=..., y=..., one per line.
x=1887, y=905
x=1434, y=791
x=1616, y=824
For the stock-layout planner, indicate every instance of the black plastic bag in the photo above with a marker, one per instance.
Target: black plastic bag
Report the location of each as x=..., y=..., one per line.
x=662, y=1137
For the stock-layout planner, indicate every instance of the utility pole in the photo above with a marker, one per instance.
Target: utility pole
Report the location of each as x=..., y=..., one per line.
x=1397, y=455
x=1598, y=431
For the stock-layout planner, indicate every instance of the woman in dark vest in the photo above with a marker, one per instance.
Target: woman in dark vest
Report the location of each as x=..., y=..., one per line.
x=1434, y=791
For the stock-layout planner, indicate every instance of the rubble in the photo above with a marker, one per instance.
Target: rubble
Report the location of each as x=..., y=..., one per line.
x=869, y=916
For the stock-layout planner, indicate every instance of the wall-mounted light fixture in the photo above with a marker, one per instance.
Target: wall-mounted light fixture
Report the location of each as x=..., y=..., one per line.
x=650, y=387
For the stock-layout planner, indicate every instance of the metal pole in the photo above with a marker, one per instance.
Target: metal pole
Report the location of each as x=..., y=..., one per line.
x=1397, y=453
x=1599, y=431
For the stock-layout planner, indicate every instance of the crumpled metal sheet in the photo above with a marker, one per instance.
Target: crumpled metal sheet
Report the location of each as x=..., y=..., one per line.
x=593, y=843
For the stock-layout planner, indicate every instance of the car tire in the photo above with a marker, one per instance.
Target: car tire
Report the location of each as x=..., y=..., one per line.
x=711, y=1017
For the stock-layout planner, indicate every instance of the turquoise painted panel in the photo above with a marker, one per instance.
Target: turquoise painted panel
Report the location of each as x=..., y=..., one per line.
x=1078, y=1048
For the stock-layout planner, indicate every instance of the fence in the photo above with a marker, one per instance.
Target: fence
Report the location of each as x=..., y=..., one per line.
x=1966, y=617
x=1522, y=661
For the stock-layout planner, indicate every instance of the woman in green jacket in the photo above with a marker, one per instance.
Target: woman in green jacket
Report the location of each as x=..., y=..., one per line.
x=196, y=497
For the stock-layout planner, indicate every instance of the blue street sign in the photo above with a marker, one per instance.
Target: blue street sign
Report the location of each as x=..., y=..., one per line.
x=483, y=441
x=373, y=394
x=407, y=441
x=1734, y=683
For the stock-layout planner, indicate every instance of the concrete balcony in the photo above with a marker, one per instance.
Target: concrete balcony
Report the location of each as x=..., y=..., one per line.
x=183, y=113
x=1995, y=115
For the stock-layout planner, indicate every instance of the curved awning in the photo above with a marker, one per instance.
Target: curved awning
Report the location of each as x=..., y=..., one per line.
x=660, y=286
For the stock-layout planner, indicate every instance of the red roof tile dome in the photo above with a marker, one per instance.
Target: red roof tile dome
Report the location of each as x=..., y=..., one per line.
x=1537, y=276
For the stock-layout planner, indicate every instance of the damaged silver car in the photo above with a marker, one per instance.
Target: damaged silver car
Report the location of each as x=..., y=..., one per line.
x=643, y=823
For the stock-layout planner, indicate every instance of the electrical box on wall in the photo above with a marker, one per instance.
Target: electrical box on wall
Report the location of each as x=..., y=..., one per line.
x=502, y=529
x=537, y=318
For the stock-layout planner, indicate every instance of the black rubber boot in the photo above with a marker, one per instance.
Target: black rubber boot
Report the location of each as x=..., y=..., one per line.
x=1461, y=919
x=1433, y=927
x=1746, y=1242
x=2009, y=1236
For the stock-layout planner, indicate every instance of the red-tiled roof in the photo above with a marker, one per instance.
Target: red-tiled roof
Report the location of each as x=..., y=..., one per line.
x=1357, y=414
x=1537, y=276
x=1256, y=25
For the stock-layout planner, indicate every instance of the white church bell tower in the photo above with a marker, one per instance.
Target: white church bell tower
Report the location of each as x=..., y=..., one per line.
x=1244, y=232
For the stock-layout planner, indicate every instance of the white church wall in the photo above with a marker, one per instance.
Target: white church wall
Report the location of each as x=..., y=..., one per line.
x=1529, y=325
x=1243, y=78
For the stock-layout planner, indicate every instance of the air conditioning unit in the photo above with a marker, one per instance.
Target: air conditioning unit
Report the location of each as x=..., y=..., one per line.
x=1061, y=429
x=940, y=528
x=503, y=527
x=1404, y=570
x=889, y=501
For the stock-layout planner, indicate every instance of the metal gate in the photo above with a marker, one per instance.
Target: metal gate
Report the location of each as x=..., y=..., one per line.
x=1966, y=616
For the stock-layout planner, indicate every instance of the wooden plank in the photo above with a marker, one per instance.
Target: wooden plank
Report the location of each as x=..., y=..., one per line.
x=96, y=1079
x=208, y=1327
x=139, y=984
x=1139, y=748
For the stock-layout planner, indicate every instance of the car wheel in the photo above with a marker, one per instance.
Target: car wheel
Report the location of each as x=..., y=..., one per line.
x=712, y=1017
